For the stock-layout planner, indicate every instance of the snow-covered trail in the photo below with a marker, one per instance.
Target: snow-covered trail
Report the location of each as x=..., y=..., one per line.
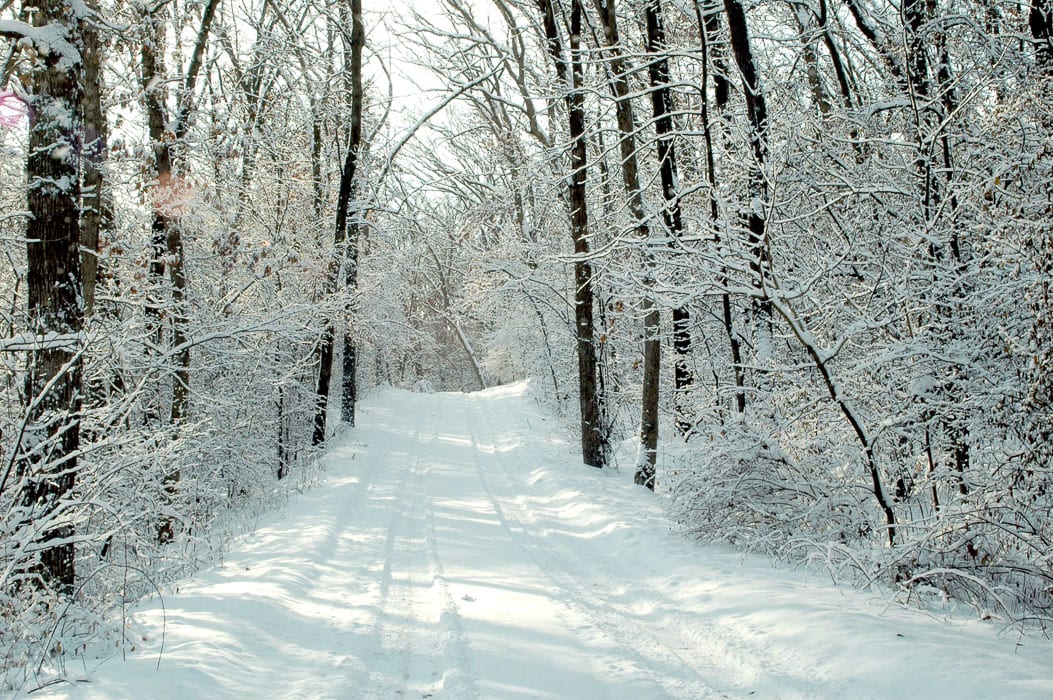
x=458, y=551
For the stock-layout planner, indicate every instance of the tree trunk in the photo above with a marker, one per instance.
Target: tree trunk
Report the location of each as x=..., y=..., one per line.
x=662, y=109
x=322, y=388
x=756, y=215
x=354, y=152
x=708, y=27
x=93, y=208
x=652, y=355
x=170, y=196
x=594, y=438
x=54, y=288
x=1040, y=20
x=349, y=390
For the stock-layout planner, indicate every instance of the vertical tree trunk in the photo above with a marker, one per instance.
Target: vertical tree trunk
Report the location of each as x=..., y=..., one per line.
x=54, y=289
x=151, y=56
x=354, y=152
x=353, y=72
x=756, y=216
x=1039, y=400
x=652, y=355
x=708, y=27
x=1040, y=20
x=662, y=109
x=323, y=386
x=170, y=197
x=594, y=438
x=93, y=207
x=283, y=436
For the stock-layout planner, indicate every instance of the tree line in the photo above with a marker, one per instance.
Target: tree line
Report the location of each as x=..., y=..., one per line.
x=810, y=240
x=807, y=241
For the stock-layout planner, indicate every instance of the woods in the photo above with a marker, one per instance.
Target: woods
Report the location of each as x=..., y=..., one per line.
x=788, y=262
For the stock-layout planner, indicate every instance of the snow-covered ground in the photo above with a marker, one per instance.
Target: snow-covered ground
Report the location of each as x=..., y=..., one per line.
x=458, y=550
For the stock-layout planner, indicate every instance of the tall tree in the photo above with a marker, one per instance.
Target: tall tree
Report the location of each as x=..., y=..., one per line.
x=708, y=21
x=652, y=349
x=757, y=203
x=49, y=444
x=94, y=216
x=345, y=237
x=1040, y=20
x=672, y=217
x=170, y=192
x=568, y=65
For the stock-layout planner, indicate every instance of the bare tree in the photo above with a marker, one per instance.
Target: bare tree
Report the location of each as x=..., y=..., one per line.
x=662, y=109
x=48, y=445
x=568, y=65
x=618, y=79
x=345, y=236
x=170, y=192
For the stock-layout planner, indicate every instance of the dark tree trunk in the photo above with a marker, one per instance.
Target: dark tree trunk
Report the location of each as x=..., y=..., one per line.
x=322, y=388
x=662, y=109
x=708, y=28
x=756, y=222
x=349, y=391
x=1040, y=20
x=52, y=437
x=652, y=351
x=151, y=69
x=94, y=212
x=170, y=195
x=283, y=436
x=594, y=439
x=347, y=190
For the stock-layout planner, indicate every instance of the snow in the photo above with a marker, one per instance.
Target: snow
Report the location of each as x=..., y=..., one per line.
x=50, y=39
x=458, y=550
x=52, y=340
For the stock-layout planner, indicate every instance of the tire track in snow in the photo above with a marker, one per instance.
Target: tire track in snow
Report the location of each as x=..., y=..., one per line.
x=404, y=636
x=416, y=643
x=707, y=650
x=457, y=680
x=357, y=590
x=651, y=653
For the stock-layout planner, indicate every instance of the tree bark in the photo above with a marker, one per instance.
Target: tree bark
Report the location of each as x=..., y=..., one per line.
x=94, y=211
x=354, y=153
x=594, y=437
x=652, y=355
x=708, y=27
x=49, y=446
x=662, y=109
x=353, y=46
x=170, y=194
x=1040, y=20
x=756, y=215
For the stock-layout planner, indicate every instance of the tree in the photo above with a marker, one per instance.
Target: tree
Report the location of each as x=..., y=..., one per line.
x=50, y=439
x=345, y=236
x=755, y=209
x=662, y=108
x=170, y=194
x=618, y=81
x=568, y=66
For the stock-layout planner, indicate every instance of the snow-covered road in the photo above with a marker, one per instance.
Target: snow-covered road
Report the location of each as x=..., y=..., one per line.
x=457, y=550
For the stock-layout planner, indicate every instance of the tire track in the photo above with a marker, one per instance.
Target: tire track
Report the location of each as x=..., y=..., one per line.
x=656, y=657
x=729, y=654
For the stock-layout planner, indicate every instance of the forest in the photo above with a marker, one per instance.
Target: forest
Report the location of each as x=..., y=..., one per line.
x=788, y=261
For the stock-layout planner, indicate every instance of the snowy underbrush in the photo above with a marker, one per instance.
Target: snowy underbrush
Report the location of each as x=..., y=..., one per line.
x=988, y=552
x=150, y=503
x=120, y=557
